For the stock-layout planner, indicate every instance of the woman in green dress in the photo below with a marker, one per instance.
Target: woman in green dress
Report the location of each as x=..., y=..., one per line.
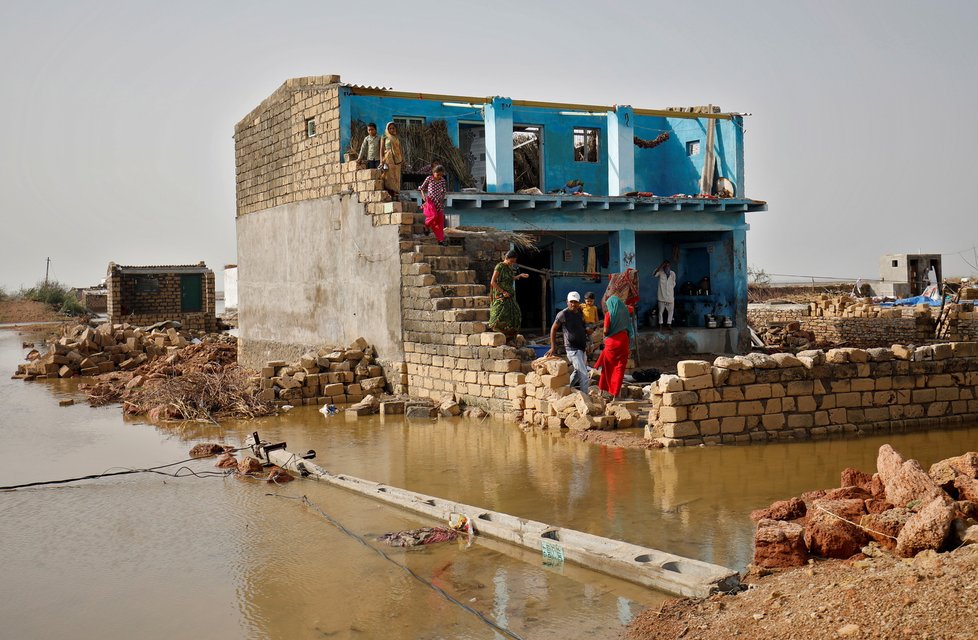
x=504, y=314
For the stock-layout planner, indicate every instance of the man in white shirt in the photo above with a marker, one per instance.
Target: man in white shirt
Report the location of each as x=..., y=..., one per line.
x=666, y=293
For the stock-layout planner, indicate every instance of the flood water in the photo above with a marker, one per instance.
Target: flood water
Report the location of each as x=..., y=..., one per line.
x=219, y=557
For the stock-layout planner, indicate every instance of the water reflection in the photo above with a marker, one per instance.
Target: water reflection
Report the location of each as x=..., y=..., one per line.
x=163, y=556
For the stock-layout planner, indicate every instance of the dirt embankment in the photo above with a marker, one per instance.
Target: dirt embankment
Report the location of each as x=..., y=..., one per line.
x=27, y=311
x=930, y=596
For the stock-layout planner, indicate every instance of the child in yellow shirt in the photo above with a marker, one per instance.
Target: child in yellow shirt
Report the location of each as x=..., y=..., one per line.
x=589, y=309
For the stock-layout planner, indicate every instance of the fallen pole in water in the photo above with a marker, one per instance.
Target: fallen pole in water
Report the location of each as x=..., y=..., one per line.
x=641, y=565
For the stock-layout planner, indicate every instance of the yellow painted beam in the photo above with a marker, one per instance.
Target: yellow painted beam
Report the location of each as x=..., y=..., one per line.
x=566, y=106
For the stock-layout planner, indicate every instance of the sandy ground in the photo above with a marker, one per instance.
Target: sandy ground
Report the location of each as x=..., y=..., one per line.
x=27, y=311
x=933, y=596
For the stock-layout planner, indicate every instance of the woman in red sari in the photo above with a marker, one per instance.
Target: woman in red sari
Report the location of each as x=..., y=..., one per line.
x=614, y=357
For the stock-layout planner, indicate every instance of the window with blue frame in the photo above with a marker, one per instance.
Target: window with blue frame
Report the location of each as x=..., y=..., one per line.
x=586, y=144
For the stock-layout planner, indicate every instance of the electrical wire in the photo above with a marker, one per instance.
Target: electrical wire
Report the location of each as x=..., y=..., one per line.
x=444, y=594
x=129, y=471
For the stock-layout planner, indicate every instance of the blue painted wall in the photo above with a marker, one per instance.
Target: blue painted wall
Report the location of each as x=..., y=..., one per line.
x=664, y=170
x=651, y=250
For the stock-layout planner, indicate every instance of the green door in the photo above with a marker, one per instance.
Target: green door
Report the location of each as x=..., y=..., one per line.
x=191, y=293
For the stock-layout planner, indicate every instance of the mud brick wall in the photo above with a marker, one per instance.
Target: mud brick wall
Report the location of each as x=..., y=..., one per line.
x=760, y=398
x=143, y=308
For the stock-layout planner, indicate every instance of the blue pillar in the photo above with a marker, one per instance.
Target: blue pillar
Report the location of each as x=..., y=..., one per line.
x=738, y=122
x=621, y=151
x=622, y=250
x=739, y=269
x=499, y=145
x=345, y=120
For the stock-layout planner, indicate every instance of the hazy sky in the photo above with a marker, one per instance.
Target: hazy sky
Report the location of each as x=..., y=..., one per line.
x=116, y=117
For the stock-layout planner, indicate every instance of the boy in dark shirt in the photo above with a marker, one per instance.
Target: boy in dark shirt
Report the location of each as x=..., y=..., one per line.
x=571, y=321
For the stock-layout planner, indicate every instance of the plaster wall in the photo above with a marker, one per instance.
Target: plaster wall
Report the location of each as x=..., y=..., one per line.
x=317, y=272
x=230, y=288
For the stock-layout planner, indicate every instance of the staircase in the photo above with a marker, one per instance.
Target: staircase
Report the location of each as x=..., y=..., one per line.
x=449, y=349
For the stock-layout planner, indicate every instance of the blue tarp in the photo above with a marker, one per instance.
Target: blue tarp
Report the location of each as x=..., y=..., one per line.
x=909, y=302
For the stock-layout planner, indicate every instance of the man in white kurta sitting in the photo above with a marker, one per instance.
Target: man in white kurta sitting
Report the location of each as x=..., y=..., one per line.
x=666, y=293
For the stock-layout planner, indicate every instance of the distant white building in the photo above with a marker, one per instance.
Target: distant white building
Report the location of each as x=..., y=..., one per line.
x=230, y=287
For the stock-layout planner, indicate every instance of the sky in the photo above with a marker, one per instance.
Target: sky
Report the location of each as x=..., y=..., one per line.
x=116, y=117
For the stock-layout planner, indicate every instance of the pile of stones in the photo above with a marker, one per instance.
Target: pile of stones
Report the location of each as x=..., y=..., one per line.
x=543, y=398
x=328, y=376
x=900, y=509
x=89, y=350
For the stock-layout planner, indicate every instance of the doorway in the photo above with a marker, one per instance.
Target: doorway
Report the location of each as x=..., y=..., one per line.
x=533, y=294
x=527, y=157
x=472, y=144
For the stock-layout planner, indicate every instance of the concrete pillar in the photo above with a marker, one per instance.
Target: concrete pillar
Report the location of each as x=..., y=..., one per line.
x=621, y=151
x=741, y=187
x=499, y=145
x=622, y=250
x=739, y=270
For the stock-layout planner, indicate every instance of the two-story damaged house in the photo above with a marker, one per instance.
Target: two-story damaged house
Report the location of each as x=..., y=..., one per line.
x=326, y=255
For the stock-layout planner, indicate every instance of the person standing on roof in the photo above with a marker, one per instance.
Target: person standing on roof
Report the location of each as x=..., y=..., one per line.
x=370, y=148
x=571, y=321
x=666, y=293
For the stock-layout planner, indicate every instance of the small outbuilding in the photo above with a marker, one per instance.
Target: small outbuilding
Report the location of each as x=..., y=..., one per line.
x=145, y=295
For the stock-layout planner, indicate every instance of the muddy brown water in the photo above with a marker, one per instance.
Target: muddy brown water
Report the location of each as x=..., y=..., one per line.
x=219, y=557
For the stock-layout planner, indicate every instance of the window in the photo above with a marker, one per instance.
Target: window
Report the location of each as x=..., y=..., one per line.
x=310, y=127
x=406, y=121
x=586, y=145
x=693, y=148
x=147, y=284
x=894, y=263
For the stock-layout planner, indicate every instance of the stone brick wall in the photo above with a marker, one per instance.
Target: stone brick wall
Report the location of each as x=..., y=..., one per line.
x=276, y=161
x=758, y=398
x=881, y=327
x=143, y=308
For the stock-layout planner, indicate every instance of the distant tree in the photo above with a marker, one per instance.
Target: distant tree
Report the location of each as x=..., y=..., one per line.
x=757, y=276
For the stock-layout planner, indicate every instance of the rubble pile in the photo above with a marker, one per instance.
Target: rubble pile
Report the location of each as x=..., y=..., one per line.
x=89, y=350
x=245, y=467
x=328, y=376
x=787, y=336
x=198, y=382
x=900, y=509
x=845, y=306
x=544, y=399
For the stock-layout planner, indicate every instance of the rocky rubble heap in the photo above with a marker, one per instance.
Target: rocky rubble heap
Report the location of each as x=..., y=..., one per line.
x=544, y=399
x=901, y=508
x=786, y=336
x=249, y=467
x=90, y=350
x=331, y=375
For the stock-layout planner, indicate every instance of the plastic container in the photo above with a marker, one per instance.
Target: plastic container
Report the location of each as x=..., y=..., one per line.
x=540, y=349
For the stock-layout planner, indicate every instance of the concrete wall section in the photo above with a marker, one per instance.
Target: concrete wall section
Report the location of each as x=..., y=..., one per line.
x=317, y=272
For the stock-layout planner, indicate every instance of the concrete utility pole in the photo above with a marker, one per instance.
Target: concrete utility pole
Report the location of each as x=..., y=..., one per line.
x=47, y=269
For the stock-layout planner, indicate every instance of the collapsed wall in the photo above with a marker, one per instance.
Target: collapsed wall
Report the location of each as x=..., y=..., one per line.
x=759, y=398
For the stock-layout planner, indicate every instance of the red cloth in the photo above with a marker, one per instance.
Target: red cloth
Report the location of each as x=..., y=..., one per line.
x=613, y=361
x=434, y=220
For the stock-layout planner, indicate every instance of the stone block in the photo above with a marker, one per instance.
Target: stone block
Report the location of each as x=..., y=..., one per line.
x=680, y=429
x=723, y=409
x=680, y=398
x=750, y=408
x=710, y=427
x=801, y=421
x=693, y=368
x=698, y=382
x=757, y=391
x=673, y=414
x=773, y=421
x=735, y=424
